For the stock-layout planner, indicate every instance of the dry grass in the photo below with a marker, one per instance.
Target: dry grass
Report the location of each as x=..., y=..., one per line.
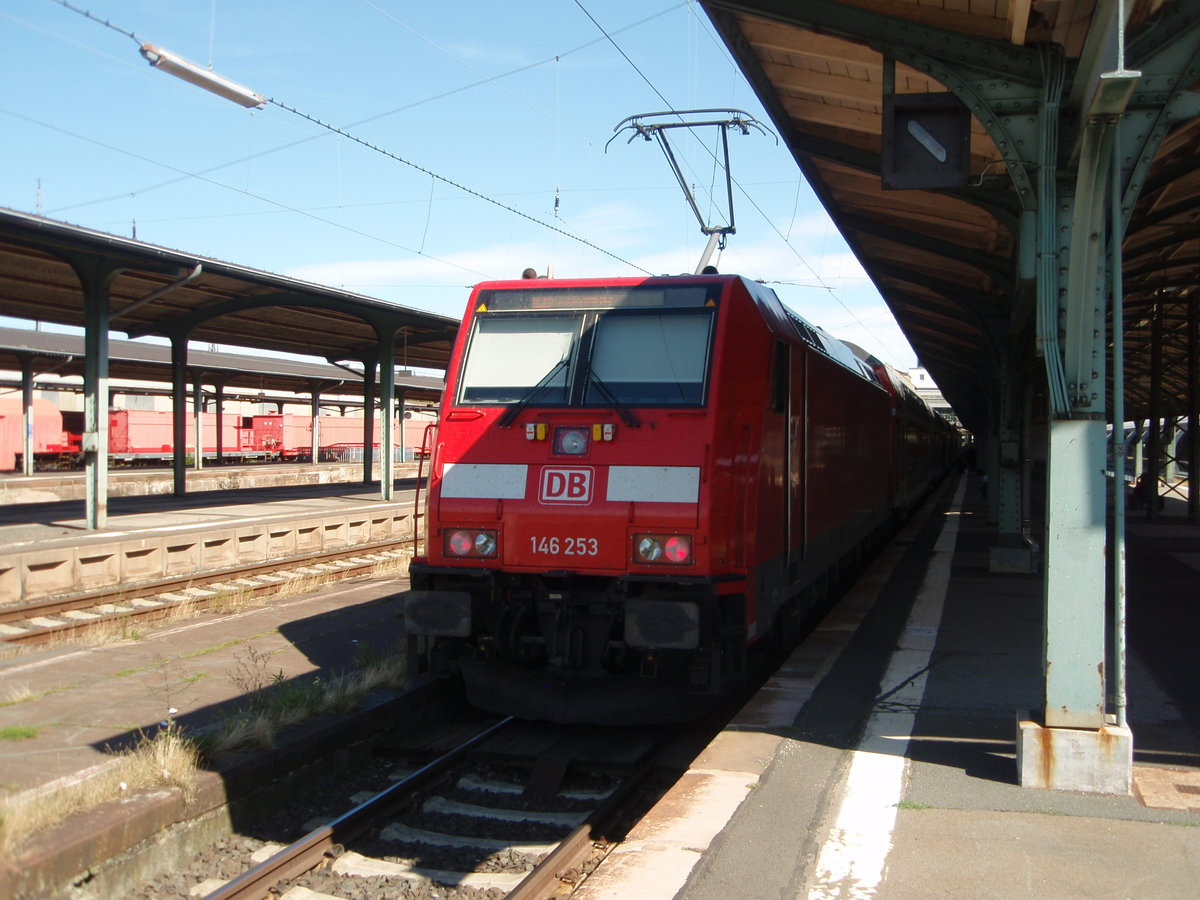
x=168, y=759
x=274, y=704
x=18, y=693
x=171, y=759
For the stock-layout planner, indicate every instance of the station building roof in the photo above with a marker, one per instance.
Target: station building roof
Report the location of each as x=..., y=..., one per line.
x=152, y=290
x=946, y=261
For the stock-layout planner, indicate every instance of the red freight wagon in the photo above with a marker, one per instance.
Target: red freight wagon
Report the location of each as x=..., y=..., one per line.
x=290, y=436
x=145, y=435
x=49, y=439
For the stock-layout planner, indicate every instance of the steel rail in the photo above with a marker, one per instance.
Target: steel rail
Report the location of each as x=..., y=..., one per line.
x=311, y=850
x=546, y=877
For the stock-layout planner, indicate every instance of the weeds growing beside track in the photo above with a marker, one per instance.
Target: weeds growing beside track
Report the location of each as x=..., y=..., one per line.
x=18, y=733
x=168, y=759
x=273, y=703
x=171, y=758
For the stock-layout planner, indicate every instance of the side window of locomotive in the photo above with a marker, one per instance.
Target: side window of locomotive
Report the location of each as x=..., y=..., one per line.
x=511, y=358
x=650, y=358
x=780, y=378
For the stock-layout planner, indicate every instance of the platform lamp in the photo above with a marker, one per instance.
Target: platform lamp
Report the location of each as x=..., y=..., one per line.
x=201, y=77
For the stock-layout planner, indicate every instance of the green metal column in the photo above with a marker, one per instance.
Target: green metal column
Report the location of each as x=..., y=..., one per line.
x=316, y=422
x=95, y=398
x=198, y=421
x=1193, y=395
x=1154, y=432
x=1007, y=483
x=179, y=412
x=387, y=415
x=27, y=415
x=219, y=405
x=369, y=361
x=1074, y=330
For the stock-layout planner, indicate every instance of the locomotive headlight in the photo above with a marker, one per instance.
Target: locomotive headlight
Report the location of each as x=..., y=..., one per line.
x=571, y=441
x=648, y=548
x=478, y=543
x=674, y=549
x=485, y=543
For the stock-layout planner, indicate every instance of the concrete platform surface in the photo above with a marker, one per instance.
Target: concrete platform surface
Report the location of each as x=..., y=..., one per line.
x=47, y=554
x=807, y=796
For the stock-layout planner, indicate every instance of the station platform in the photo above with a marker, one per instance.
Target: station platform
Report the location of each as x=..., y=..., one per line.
x=47, y=553
x=879, y=761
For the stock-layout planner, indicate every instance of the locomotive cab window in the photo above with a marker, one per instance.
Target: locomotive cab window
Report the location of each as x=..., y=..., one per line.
x=511, y=358
x=575, y=348
x=649, y=359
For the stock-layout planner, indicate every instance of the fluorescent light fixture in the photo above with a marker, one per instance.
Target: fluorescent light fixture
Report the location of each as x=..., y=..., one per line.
x=201, y=77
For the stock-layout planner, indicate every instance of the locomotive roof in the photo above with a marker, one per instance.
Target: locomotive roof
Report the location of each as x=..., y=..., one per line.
x=785, y=317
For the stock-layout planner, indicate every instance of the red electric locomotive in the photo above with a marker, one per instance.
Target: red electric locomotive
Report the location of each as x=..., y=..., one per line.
x=634, y=481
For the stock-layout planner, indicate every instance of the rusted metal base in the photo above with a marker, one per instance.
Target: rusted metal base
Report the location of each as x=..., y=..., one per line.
x=1096, y=761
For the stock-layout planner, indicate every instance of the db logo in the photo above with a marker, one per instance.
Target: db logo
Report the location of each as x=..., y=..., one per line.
x=566, y=485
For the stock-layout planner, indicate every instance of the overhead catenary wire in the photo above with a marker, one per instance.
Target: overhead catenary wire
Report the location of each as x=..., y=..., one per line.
x=358, y=122
x=283, y=206
x=462, y=187
x=390, y=155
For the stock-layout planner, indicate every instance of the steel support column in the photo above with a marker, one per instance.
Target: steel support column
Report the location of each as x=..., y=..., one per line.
x=1154, y=432
x=387, y=415
x=179, y=348
x=95, y=397
x=1074, y=747
x=1076, y=485
x=315, y=411
x=1193, y=396
x=198, y=422
x=401, y=416
x=369, y=361
x=219, y=405
x=27, y=416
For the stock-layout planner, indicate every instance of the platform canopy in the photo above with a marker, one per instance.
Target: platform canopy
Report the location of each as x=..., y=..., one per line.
x=948, y=260
x=156, y=291
x=63, y=354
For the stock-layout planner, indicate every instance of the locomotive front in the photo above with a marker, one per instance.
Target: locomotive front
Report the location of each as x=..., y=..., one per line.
x=568, y=573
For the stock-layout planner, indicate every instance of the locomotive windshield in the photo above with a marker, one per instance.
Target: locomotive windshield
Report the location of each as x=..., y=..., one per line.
x=511, y=356
x=642, y=348
x=657, y=358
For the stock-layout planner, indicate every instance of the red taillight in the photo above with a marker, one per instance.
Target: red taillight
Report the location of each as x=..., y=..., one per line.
x=466, y=542
x=674, y=549
x=678, y=549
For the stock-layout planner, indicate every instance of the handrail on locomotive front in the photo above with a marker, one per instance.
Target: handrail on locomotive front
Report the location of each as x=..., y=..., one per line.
x=427, y=441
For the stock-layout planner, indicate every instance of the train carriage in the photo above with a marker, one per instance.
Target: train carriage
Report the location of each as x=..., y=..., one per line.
x=633, y=482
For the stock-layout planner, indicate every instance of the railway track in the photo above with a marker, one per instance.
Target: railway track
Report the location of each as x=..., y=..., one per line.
x=70, y=617
x=515, y=810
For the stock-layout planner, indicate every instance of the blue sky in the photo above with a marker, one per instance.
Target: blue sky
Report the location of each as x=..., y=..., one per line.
x=514, y=101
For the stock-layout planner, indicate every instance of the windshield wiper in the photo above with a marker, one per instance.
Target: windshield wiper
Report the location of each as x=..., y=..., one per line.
x=625, y=413
x=530, y=395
